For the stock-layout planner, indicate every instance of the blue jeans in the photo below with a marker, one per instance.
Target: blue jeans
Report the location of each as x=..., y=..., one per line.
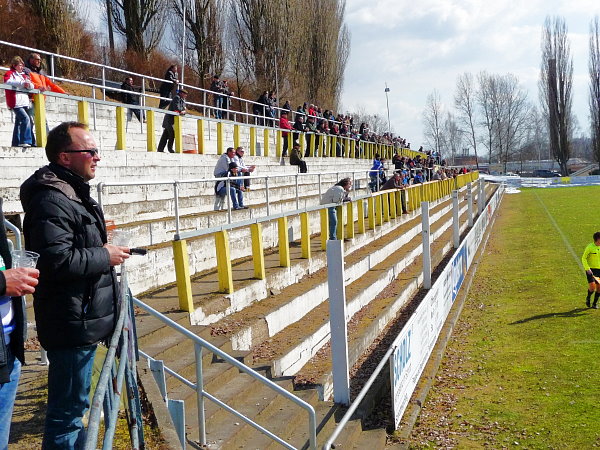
x=22, y=129
x=69, y=381
x=332, y=223
x=218, y=106
x=237, y=196
x=8, y=391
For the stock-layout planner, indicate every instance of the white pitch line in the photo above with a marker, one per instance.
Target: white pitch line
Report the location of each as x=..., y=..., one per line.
x=562, y=235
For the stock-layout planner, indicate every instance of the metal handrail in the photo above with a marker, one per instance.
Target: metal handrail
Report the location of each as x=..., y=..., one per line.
x=200, y=343
x=143, y=95
x=356, y=403
x=108, y=388
x=143, y=77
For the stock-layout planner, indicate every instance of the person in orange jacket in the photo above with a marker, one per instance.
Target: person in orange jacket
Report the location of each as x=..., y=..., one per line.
x=33, y=68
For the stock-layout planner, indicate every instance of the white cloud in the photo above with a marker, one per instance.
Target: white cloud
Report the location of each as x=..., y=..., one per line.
x=420, y=46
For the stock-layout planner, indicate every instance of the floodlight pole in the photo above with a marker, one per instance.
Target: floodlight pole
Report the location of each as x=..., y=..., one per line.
x=387, y=102
x=183, y=47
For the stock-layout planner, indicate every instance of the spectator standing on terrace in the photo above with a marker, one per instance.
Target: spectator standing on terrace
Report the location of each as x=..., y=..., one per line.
x=75, y=302
x=395, y=182
x=131, y=99
x=33, y=68
x=299, y=126
x=236, y=188
x=226, y=99
x=337, y=194
x=222, y=166
x=178, y=106
x=245, y=170
x=311, y=127
x=13, y=284
x=217, y=88
x=19, y=102
x=591, y=265
x=375, y=173
x=296, y=158
x=170, y=83
x=272, y=101
x=284, y=124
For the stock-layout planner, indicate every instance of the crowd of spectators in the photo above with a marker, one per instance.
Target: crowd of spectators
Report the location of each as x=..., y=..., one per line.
x=409, y=171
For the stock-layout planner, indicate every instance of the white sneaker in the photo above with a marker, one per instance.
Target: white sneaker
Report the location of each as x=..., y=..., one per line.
x=25, y=145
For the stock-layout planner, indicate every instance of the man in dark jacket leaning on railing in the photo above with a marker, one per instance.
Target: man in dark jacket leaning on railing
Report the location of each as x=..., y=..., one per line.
x=75, y=302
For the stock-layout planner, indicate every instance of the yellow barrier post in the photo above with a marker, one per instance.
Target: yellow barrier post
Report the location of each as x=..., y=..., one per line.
x=265, y=142
x=339, y=231
x=305, y=235
x=324, y=227
x=83, y=112
x=258, y=256
x=39, y=106
x=236, y=135
x=290, y=143
x=321, y=146
x=200, y=131
x=371, y=212
x=385, y=199
x=150, y=136
x=278, y=143
x=223, y=262
x=252, y=141
x=392, y=200
x=182, y=275
x=178, y=127
x=121, y=141
x=313, y=150
x=378, y=210
x=301, y=140
x=361, y=216
x=220, y=139
x=284, y=244
x=334, y=146
x=350, y=220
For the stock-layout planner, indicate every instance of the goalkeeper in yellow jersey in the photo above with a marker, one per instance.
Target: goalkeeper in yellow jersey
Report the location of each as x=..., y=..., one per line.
x=591, y=265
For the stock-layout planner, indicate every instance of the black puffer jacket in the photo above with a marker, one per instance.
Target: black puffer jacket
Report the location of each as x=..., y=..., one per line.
x=19, y=334
x=75, y=300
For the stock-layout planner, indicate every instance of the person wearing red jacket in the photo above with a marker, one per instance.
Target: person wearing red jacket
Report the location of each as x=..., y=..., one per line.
x=19, y=102
x=285, y=124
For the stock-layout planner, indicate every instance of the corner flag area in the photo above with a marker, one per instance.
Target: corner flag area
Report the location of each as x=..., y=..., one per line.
x=521, y=368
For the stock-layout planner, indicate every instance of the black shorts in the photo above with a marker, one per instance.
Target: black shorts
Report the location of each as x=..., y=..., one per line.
x=595, y=272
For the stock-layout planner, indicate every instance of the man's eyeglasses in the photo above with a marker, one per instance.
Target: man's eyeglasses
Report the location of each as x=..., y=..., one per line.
x=91, y=151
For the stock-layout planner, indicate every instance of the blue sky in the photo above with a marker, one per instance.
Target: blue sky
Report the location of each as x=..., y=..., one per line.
x=419, y=46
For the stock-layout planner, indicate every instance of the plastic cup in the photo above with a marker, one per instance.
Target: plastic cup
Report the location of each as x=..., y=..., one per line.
x=24, y=258
x=121, y=238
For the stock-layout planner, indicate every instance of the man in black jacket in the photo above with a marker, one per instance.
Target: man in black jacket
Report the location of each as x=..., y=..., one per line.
x=168, y=137
x=75, y=302
x=131, y=98
x=13, y=284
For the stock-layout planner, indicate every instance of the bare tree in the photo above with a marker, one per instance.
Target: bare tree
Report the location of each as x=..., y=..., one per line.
x=452, y=137
x=204, y=29
x=433, y=121
x=594, y=69
x=324, y=60
x=464, y=101
x=141, y=22
x=484, y=100
x=556, y=82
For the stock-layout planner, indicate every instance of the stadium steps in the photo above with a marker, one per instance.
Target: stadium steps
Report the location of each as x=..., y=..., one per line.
x=290, y=349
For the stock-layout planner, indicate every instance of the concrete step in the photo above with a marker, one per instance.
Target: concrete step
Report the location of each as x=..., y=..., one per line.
x=295, y=345
x=280, y=416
